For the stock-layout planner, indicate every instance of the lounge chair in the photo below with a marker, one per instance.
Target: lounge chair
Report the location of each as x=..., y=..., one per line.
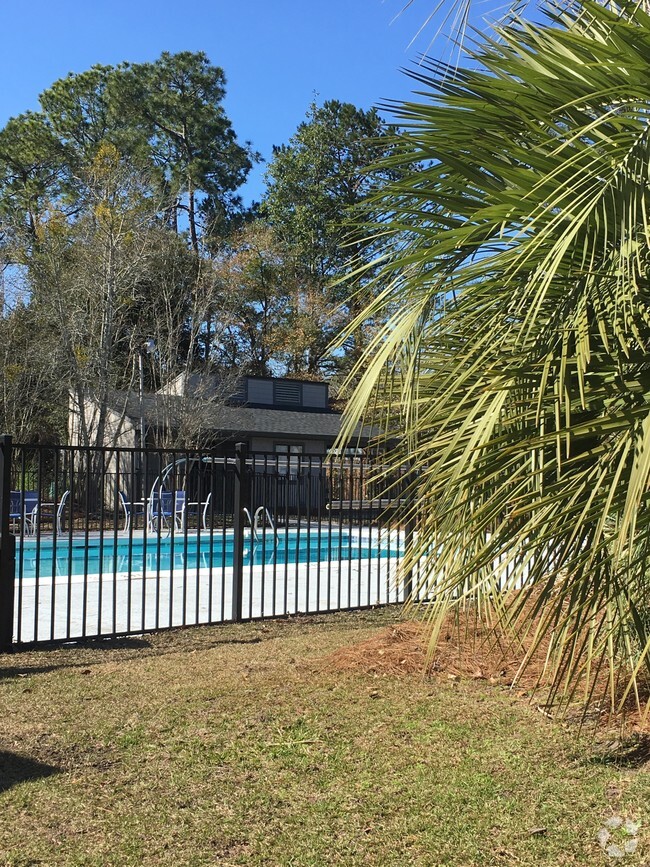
x=22, y=505
x=15, y=507
x=200, y=509
x=165, y=507
x=134, y=508
x=206, y=509
x=49, y=512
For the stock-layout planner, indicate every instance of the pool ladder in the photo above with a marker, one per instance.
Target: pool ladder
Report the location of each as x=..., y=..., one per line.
x=263, y=513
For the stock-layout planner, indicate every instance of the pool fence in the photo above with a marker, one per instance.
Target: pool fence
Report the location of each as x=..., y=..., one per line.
x=109, y=542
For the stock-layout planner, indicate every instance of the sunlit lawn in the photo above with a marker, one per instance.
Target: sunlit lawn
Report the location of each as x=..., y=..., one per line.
x=229, y=746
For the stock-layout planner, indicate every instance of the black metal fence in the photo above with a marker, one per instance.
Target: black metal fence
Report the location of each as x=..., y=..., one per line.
x=108, y=542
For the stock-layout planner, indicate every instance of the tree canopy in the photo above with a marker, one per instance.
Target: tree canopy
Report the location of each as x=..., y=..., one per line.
x=319, y=184
x=167, y=122
x=121, y=221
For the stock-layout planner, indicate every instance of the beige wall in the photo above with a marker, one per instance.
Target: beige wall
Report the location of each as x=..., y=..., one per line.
x=120, y=432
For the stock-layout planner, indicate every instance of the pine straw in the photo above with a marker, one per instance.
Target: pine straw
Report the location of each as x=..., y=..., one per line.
x=465, y=650
x=469, y=649
x=395, y=650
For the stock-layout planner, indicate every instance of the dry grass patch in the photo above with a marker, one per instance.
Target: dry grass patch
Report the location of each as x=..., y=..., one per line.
x=240, y=745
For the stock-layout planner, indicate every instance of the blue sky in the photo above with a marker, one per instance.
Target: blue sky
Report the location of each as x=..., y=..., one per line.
x=277, y=54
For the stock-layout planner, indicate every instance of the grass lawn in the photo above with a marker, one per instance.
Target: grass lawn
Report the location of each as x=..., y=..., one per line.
x=231, y=746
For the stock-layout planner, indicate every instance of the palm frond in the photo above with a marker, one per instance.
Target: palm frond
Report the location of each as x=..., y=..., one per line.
x=515, y=292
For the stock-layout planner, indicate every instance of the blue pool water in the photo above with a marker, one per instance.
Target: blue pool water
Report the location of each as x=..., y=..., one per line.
x=123, y=555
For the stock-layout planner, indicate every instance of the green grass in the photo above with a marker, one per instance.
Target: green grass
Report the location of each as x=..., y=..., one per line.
x=228, y=746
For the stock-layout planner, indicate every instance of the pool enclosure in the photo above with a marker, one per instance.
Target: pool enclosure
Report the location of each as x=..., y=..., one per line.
x=107, y=542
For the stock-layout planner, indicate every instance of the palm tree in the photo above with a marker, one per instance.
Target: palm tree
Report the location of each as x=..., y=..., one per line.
x=513, y=366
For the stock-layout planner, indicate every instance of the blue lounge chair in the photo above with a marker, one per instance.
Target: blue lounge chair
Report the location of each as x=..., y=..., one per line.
x=15, y=507
x=22, y=508
x=166, y=507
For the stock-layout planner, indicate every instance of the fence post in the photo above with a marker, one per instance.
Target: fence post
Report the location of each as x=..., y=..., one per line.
x=7, y=549
x=241, y=502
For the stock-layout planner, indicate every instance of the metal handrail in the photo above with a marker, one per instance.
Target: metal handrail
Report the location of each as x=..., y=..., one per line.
x=264, y=512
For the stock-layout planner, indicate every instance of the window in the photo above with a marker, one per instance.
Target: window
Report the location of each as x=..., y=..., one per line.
x=289, y=448
x=288, y=457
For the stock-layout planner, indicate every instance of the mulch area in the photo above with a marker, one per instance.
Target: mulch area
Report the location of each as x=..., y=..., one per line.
x=467, y=649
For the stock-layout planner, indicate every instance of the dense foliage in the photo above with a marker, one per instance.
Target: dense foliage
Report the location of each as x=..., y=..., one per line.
x=121, y=222
x=513, y=366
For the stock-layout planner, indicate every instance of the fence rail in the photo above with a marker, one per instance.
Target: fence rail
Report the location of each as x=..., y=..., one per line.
x=107, y=542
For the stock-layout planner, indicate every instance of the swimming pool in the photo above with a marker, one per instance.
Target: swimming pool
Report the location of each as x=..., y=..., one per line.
x=123, y=585
x=112, y=555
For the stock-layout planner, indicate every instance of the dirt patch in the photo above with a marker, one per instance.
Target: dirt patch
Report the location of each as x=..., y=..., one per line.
x=469, y=649
x=463, y=651
x=395, y=650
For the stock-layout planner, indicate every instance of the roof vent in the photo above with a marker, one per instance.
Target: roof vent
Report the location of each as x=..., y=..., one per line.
x=287, y=393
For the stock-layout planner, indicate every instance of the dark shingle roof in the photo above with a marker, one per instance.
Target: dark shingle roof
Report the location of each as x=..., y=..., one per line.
x=277, y=422
x=233, y=420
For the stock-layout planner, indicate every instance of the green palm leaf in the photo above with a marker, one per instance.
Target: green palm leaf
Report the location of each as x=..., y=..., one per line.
x=515, y=290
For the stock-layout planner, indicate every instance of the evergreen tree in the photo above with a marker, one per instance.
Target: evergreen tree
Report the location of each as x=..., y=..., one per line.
x=315, y=183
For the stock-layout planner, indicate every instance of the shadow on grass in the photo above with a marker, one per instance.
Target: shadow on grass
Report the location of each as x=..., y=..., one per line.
x=81, y=654
x=15, y=769
x=631, y=752
x=62, y=655
x=126, y=642
x=24, y=660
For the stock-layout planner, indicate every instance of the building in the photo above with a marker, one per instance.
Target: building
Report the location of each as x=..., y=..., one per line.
x=269, y=414
x=290, y=419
